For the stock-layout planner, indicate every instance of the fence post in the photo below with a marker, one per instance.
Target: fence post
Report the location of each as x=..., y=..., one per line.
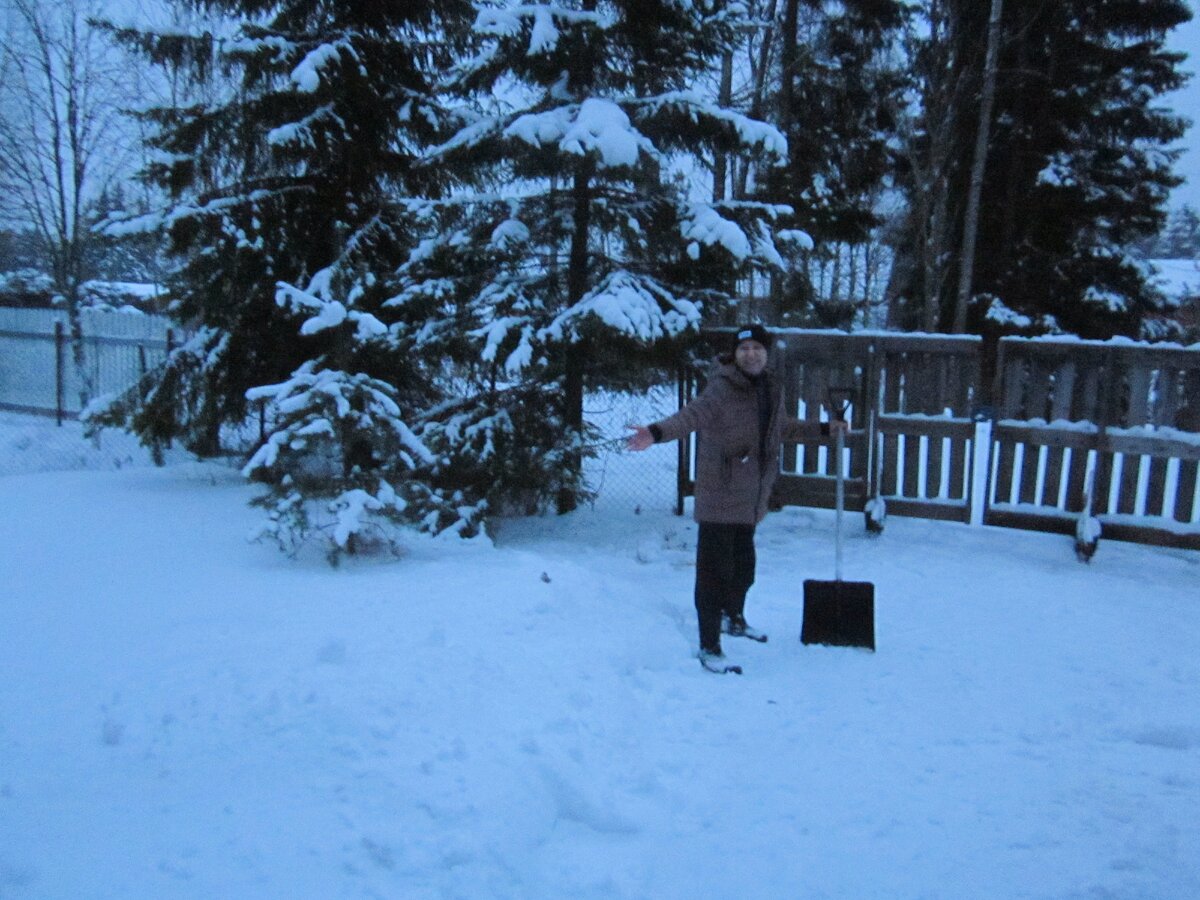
x=170, y=347
x=59, y=375
x=873, y=410
x=684, y=445
x=981, y=477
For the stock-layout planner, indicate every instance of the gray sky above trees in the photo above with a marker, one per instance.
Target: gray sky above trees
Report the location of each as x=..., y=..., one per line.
x=1187, y=102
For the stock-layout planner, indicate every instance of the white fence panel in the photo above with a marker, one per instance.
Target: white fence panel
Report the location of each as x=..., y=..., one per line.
x=37, y=364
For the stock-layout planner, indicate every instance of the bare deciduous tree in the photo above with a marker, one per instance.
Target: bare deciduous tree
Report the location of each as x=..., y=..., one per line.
x=978, y=163
x=62, y=139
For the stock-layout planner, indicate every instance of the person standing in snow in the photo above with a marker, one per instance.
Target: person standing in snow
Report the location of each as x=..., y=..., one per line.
x=742, y=425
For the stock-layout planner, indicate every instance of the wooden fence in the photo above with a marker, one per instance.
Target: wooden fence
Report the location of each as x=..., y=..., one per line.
x=1110, y=424
x=1111, y=421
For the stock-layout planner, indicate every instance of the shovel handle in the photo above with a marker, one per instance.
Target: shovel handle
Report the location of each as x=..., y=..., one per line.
x=840, y=495
x=839, y=405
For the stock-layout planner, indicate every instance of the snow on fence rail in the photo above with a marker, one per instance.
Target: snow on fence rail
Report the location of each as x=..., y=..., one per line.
x=1115, y=421
x=37, y=368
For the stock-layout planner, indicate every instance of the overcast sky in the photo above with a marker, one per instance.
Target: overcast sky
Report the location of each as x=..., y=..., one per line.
x=1187, y=103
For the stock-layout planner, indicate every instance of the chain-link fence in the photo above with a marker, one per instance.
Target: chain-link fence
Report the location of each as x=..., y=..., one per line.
x=619, y=477
x=612, y=473
x=38, y=376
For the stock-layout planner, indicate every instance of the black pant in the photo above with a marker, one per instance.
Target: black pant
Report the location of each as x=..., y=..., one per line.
x=725, y=563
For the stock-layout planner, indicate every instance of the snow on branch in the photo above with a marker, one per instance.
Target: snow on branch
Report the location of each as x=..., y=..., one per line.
x=510, y=232
x=634, y=306
x=470, y=135
x=1106, y=299
x=751, y=132
x=328, y=313
x=307, y=75
x=544, y=31
x=496, y=334
x=801, y=239
x=301, y=133
x=594, y=126
x=167, y=218
x=1003, y=315
x=764, y=246
x=703, y=225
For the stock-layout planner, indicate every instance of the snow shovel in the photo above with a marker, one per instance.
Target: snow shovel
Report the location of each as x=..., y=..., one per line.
x=839, y=613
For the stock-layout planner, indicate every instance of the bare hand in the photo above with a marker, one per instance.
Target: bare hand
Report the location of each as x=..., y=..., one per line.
x=640, y=439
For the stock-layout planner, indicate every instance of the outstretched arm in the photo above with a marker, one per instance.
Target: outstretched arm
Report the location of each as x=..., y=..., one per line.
x=695, y=415
x=640, y=439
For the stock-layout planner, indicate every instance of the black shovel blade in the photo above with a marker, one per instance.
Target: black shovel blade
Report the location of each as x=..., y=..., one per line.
x=840, y=613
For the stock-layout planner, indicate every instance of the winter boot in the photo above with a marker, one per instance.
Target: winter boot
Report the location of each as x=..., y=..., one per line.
x=737, y=627
x=715, y=661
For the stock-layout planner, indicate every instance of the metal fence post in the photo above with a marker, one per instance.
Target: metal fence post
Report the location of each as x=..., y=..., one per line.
x=681, y=450
x=170, y=348
x=59, y=375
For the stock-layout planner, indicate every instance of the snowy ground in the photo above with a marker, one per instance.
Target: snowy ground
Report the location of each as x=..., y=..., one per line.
x=185, y=714
x=39, y=444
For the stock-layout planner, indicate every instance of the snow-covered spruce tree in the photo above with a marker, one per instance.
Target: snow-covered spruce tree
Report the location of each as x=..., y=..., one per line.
x=572, y=244
x=340, y=458
x=1082, y=165
x=287, y=206
x=285, y=177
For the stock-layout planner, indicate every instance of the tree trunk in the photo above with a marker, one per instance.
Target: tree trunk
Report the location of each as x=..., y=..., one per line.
x=757, y=101
x=576, y=351
x=787, y=64
x=978, y=165
x=721, y=162
x=937, y=241
x=776, y=301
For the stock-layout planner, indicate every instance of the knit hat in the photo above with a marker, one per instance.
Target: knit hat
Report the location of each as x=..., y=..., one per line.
x=752, y=332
